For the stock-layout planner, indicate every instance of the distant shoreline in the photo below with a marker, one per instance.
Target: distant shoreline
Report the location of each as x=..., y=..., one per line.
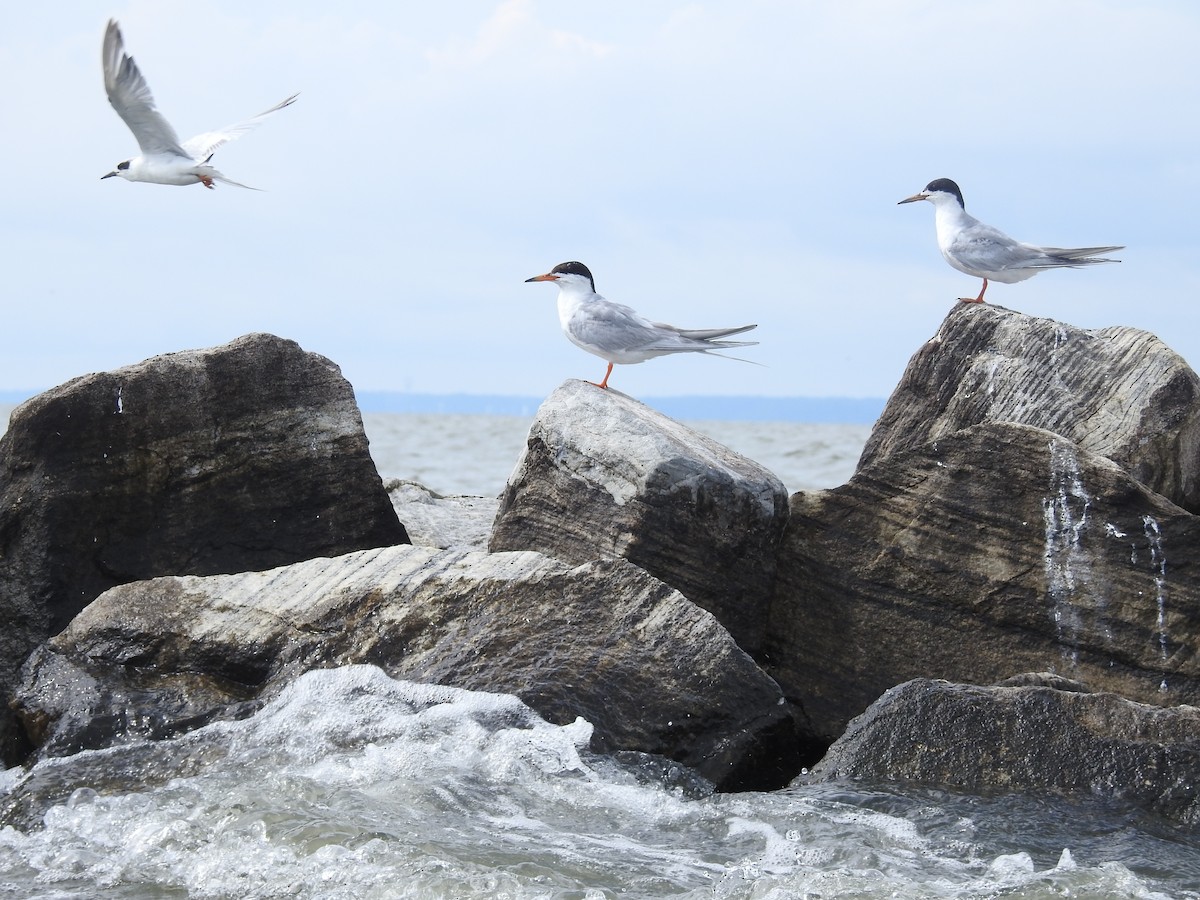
x=850, y=411
x=824, y=410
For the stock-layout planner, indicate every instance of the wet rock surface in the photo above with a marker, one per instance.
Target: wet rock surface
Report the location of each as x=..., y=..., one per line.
x=651, y=671
x=996, y=550
x=606, y=476
x=244, y=456
x=1027, y=738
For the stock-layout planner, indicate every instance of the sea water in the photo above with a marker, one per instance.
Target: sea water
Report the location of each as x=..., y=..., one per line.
x=353, y=785
x=350, y=784
x=474, y=454
x=454, y=454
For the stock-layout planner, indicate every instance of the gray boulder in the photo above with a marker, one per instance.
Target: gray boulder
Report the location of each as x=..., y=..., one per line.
x=245, y=456
x=1028, y=739
x=650, y=670
x=603, y=475
x=994, y=550
x=1116, y=392
x=457, y=522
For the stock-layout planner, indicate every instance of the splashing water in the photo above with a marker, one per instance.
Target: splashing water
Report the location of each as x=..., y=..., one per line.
x=1068, y=567
x=353, y=785
x=1158, y=565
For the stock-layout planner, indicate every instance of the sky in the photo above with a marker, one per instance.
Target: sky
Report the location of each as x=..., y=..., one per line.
x=713, y=164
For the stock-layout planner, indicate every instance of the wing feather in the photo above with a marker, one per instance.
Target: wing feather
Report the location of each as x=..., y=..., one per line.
x=202, y=146
x=130, y=96
x=612, y=329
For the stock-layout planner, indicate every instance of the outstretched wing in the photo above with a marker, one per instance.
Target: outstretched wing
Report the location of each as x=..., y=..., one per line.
x=202, y=146
x=130, y=96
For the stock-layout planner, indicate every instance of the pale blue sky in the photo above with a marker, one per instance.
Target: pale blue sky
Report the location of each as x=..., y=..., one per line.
x=714, y=163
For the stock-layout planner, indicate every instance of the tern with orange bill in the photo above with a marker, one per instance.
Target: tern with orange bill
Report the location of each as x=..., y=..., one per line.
x=618, y=334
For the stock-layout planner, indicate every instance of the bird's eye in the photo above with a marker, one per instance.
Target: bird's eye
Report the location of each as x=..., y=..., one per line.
x=123, y=165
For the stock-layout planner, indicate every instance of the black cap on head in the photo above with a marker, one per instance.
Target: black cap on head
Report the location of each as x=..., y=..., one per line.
x=574, y=268
x=946, y=186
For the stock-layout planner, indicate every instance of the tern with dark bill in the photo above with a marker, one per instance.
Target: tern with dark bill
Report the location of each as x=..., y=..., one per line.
x=988, y=253
x=164, y=158
x=617, y=333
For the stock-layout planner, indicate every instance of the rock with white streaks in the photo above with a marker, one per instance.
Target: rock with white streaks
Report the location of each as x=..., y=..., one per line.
x=244, y=456
x=1028, y=738
x=1116, y=392
x=650, y=670
x=995, y=550
x=605, y=476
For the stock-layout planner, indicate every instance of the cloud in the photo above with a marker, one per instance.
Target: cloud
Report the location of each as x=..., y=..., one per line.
x=708, y=160
x=514, y=42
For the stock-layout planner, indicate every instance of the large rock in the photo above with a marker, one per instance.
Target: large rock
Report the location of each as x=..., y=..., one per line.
x=245, y=456
x=1025, y=738
x=650, y=670
x=603, y=475
x=995, y=550
x=1117, y=392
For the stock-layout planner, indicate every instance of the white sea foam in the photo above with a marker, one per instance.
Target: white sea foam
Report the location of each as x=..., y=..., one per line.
x=351, y=784
x=350, y=780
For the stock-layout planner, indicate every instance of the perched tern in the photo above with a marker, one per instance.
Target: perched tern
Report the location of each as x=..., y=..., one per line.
x=617, y=333
x=164, y=159
x=985, y=252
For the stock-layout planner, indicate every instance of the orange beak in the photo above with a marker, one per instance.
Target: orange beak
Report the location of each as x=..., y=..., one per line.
x=547, y=277
x=914, y=197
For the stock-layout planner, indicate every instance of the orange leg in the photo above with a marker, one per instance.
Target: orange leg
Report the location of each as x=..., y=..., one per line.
x=206, y=181
x=604, y=383
x=978, y=299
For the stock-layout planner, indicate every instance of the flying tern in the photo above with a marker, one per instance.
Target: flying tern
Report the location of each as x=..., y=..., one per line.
x=988, y=253
x=617, y=333
x=164, y=159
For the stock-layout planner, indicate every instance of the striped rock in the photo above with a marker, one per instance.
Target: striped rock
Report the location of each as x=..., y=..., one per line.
x=995, y=550
x=1117, y=392
x=651, y=671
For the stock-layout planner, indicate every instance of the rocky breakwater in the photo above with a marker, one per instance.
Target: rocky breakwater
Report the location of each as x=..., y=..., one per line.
x=244, y=456
x=1021, y=506
x=649, y=670
x=1014, y=511
x=595, y=637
